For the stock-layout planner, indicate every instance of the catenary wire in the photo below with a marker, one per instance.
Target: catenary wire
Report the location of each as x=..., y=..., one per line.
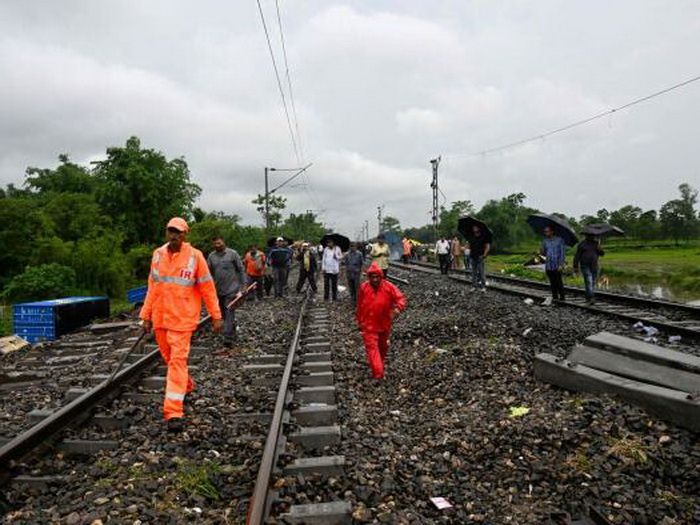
x=542, y=136
x=279, y=83
x=289, y=80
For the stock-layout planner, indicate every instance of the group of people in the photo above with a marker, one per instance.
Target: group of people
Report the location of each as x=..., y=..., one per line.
x=473, y=254
x=552, y=250
x=181, y=278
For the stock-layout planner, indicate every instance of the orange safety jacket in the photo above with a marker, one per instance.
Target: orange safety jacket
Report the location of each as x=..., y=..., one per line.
x=407, y=247
x=176, y=285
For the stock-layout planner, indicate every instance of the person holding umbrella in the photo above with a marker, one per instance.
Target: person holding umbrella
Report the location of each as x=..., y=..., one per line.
x=586, y=257
x=479, y=249
x=554, y=250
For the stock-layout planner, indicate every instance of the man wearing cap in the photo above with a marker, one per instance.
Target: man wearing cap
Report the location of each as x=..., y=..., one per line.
x=227, y=270
x=178, y=282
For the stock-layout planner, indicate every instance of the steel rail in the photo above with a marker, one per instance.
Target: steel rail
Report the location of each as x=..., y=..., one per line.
x=670, y=326
x=601, y=294
x=259, y=501
x=43, y=432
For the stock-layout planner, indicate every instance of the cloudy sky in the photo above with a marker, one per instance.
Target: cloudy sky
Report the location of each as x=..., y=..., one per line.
x=380, y=88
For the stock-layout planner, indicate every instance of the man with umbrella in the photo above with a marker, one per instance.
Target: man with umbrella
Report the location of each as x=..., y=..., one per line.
x=480, y=239
x=557, y=235
x=586, y=257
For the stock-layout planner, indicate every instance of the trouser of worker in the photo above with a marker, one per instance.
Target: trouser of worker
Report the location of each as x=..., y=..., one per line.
x=467, y=264
x=259, y=288
x=268, y=284
x=306, y=276
x=557, y=284
x=353, y=284
x=229, y=330
x=330, y=285
x=280, y=277
x=405, y=257
x=455, y=262
x=376, y=348
x=385, y=272
x=478, y=274
x=444, y=260
x=174, y=346
x=590, y=275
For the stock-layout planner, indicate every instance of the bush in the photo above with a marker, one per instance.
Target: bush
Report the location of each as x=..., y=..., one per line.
x=47, y=281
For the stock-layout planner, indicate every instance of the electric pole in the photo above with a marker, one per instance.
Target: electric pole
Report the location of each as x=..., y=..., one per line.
x=267, y=202
x=434, y=186
x=379, y=219
x=366, y=230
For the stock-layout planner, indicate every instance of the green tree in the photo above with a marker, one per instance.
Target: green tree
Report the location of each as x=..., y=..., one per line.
x=303, y=226
x=648, y=226
x=68, y=177
x=141, y=190
x=391, y=224
x=21, y=223
x=276, y=204
x=449, y=218
x=506, y=220
x=678, y=217
x=74, y=215
x=48, y=281
x=627, y=218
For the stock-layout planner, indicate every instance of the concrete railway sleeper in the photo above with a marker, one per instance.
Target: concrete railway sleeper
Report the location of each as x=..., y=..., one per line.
x=303, y=427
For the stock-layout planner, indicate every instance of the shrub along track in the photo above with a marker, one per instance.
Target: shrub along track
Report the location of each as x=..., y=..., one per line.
x=440, y=424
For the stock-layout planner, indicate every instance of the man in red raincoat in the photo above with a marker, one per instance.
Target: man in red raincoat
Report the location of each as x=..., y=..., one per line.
x=378, y=302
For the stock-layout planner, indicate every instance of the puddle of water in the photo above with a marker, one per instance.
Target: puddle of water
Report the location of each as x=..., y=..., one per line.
x=659, y=291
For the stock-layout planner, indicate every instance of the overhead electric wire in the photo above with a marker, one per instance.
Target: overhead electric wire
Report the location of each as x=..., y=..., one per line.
x=542, y=136
x=289, y=80
x=279, y=83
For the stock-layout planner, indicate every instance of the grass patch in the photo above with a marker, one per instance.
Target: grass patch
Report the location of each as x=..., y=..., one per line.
x=579, y=461
x=194, y=478
x=629, y=450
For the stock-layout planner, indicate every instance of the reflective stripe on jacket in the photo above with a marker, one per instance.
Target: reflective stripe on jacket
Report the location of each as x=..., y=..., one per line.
x=176, y=286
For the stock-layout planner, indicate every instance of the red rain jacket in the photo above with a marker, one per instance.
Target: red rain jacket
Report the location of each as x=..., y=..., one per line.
x=374, y=307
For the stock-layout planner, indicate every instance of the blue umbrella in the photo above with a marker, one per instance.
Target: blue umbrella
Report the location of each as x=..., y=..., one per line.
x=561, y=228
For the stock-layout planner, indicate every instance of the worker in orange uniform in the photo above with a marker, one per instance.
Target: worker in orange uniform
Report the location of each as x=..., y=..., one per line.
x=178, y=281
x=407, y=245
x=378, y=303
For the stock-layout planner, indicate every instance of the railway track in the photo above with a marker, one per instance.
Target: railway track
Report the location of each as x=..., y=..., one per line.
x=669, y=317
x=281, y=422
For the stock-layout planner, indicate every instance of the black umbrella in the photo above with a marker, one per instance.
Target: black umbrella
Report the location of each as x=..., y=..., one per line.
x=273, y=240
x=560, y=226
x=603, y=230
x=340, y=240
x=465, y=226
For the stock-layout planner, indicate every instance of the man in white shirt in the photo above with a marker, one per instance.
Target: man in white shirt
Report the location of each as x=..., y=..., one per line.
x=442, y=249
x=330, y=266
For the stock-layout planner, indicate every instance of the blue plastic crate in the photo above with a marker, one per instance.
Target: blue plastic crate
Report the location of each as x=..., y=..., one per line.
x=33, y=318
x=137, y=295
x=47, y=331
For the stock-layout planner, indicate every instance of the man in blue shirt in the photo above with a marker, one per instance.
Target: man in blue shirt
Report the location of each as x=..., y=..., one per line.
x=279, y=258
x=554, y=249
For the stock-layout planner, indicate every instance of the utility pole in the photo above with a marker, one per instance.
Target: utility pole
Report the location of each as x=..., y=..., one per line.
x=366, y=230
x=269, y=191
x=267, y=202
x=379, y=219
x=434, y=186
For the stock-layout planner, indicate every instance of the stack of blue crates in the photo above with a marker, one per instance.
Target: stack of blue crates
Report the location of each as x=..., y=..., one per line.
x=47, y=320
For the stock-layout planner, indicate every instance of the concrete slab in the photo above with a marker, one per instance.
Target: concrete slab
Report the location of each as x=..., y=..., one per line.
x=648, y=352
x=314, y=438
x=323, y=465
x=264, y=368
x=664, y=403
x=317, y=366
x=320, y=379
x=315, y=357
x=316, y=415
x=638, y=369
x=315, y=394
x=332, y=513
x=267, y=359
x=81, y=446
x=324, y=346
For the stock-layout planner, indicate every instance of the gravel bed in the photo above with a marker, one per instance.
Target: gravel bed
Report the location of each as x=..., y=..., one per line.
x=440, y=424
x=206, y=474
